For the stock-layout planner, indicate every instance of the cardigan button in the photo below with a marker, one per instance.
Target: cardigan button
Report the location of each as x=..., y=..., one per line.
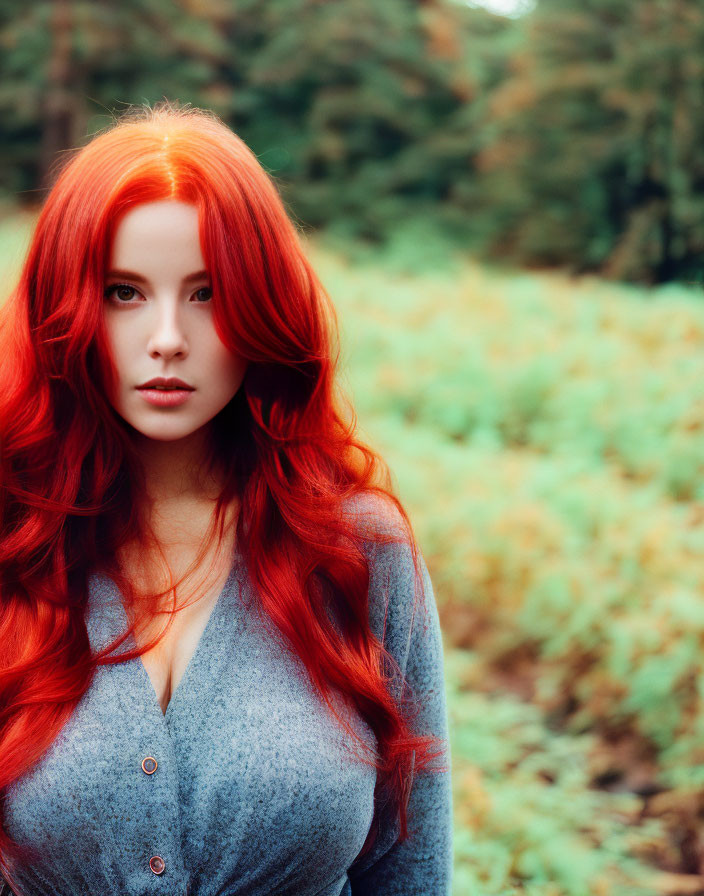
x=149, y=765
x=157, y=864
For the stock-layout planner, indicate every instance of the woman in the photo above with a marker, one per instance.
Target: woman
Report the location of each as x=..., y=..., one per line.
x=221, y=668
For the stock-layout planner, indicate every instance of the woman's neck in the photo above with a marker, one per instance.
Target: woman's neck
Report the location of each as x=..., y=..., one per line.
x=175, y=471
x=182, y=525
x=179, y=505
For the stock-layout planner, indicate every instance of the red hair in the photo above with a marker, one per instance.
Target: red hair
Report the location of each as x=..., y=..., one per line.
x=70, y=479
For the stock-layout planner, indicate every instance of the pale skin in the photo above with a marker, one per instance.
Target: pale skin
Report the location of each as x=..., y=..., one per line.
x=159, y=321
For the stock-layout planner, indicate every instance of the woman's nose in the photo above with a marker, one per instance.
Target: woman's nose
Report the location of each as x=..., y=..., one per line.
x=168, y=337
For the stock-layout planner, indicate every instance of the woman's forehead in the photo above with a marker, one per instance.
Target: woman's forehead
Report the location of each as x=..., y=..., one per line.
x=157, y=233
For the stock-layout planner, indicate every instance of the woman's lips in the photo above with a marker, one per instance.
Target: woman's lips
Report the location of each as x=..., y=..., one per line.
x=165, y=398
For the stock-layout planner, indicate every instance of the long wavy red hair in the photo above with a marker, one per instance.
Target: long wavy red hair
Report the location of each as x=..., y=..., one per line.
x=286, y=444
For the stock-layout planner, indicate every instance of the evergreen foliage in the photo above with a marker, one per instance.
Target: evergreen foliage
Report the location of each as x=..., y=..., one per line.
x=570, y=136
x=595, y=158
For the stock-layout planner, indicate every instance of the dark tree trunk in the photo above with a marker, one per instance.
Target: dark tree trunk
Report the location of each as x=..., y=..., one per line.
x=60, y=106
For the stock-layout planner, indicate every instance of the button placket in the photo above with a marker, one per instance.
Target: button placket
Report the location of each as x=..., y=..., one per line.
x=149, y=766
x=143, y=734
x=156, y=787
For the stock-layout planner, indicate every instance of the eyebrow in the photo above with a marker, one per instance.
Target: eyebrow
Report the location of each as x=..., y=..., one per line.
x=130, y=275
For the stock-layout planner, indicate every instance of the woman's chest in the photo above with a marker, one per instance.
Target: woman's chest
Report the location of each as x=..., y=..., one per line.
x=251, y=783
x=166, y=662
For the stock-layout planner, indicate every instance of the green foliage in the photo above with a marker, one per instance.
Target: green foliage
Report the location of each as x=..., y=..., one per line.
x=528, y=820
x=355, y=106
x=352, y=110
x=570, y=136
x=594, y=157
x=554, y=365
x=67, y=65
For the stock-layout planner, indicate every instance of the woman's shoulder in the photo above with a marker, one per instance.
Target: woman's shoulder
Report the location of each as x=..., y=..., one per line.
x=389, y=547
x=387, y=542
x=403, y=614
x=376, y=516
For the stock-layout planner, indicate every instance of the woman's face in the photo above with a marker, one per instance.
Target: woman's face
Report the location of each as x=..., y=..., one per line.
x=159, y=319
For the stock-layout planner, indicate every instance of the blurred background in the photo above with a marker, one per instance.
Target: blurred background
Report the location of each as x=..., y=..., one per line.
x=505, y=200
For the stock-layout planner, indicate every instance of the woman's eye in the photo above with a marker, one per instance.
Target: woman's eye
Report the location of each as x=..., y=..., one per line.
x=124, y=294
x=121, y=291
x=204, y=294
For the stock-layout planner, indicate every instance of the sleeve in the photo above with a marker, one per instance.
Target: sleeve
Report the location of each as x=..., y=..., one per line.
x=422, y=864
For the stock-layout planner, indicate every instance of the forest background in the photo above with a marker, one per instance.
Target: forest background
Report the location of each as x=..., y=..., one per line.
x=508, y=211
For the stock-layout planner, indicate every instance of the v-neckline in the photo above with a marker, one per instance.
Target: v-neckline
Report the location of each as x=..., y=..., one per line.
x=193, y=659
